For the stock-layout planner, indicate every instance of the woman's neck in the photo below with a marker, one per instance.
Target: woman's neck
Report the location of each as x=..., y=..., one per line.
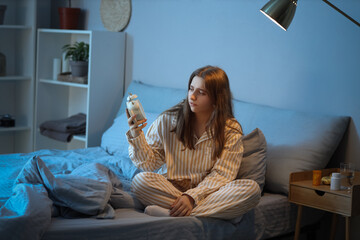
x=200, y=121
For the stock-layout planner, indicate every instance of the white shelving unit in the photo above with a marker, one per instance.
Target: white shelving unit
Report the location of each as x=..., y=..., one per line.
x=17, y=43
x=99, y=99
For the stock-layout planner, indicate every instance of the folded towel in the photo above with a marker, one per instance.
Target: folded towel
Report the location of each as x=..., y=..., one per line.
x=64, y=129
x=60, y=136
x=69, y=125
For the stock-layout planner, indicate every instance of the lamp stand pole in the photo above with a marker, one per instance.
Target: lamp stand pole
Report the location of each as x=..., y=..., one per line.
x=337, y=9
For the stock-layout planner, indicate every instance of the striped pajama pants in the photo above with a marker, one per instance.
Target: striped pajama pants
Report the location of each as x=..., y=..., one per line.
x=228, y=202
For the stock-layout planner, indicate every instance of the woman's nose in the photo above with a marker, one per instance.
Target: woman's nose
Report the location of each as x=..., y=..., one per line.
x=193, y=96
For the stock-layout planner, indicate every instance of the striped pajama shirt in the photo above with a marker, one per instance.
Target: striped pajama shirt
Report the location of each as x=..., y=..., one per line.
x=171, y=170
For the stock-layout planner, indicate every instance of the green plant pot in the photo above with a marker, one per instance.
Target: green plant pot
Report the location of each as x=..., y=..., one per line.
x=79, y=69
x=2, y=13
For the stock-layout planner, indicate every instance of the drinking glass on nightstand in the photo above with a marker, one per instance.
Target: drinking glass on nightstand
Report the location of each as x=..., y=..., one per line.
x=347, y=175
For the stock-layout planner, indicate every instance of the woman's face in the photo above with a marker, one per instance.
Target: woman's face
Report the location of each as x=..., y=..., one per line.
x=198, y=97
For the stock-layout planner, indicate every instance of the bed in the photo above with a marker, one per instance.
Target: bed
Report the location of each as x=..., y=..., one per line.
x=85, y=193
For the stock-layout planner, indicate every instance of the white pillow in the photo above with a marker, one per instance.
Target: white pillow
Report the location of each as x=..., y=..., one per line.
x=114, y=139
x=253, y=164
x=296, y=141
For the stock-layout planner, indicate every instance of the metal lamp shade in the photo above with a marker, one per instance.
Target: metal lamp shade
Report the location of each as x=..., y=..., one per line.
x=280, y=12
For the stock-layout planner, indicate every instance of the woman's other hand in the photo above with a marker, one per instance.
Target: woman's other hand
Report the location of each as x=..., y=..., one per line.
x=182, y=206
x=135, y=126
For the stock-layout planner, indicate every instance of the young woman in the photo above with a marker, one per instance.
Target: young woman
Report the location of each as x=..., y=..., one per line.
x=196, y=148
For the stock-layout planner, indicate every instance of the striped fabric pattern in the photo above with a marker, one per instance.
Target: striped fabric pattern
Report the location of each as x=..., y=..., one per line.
x=229, y=202
x=193, y=172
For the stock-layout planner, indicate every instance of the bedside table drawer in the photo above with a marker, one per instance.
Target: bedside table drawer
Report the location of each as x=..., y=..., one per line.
x=319, y=199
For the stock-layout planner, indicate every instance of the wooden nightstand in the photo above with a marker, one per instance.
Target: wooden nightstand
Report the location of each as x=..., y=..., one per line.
x=342, y=202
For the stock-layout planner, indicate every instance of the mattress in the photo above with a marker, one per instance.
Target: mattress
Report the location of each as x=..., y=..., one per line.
x=273, y=216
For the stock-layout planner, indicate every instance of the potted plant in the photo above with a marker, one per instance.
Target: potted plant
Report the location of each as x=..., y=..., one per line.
x=69, y=17
x=78, y=55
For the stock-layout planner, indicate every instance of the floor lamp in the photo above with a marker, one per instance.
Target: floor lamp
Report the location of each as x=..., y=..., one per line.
x=282, y=12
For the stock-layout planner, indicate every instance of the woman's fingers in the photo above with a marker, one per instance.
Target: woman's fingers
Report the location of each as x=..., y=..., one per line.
x=127, y=113
x=174, y=204
x=181, y=212
x=181, y=207
x=139, y=123
x=137, y=126
x=131, y=121
x=177, y=211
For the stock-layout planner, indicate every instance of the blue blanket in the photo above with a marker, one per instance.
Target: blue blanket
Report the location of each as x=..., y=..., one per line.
x=67, y=183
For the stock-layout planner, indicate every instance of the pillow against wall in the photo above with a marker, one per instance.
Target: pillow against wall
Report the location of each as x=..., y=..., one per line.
x=115, y=143
x=114, y=139
x=253, y=164
x=296, y=141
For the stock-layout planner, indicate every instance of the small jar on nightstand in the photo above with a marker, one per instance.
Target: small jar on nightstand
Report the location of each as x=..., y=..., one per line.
x=335, y=181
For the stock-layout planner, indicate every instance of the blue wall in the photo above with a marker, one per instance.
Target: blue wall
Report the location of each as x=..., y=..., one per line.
x=314, y=66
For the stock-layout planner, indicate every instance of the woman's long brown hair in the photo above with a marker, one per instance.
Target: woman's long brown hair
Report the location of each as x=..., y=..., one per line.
x=218, y=88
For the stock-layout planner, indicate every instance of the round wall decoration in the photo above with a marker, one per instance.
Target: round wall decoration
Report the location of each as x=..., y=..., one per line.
x=115, y=14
